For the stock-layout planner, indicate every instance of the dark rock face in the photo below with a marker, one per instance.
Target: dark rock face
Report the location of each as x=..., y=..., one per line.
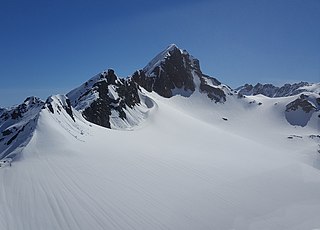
x=19, y=111
x=68, y=108
x=55, y=103
x=270, y=90
x=128, y=91
x=112, y=94
x=141, y=79
x=302, y=102
x=214, y=93
x=15, y=136
x=300, y=111
x=172, y=70
x=98, y=113
x=109, y=75
x=6, y=132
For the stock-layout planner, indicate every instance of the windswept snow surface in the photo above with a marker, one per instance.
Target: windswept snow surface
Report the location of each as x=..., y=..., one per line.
x=186, y=168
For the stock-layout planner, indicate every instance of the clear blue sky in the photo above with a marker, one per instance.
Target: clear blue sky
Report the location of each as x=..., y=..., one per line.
x=49, y=47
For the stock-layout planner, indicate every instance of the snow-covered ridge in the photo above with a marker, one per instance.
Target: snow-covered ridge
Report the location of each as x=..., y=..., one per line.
x=17, y=125
x=286, y=90
x=76, y=93
x=109, y=101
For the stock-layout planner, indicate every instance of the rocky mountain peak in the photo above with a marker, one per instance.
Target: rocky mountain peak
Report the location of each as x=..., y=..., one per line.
x=107, y=100
x=171, y=69
x=175, y=72
x=160, y=59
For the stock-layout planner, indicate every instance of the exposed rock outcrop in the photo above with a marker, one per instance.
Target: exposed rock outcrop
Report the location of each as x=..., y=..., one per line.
x=105, y=96
x=299, y=111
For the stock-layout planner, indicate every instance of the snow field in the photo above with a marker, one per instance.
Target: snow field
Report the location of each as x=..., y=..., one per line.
x=185, y=168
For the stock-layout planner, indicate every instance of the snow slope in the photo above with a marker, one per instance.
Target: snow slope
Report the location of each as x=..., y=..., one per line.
x=193, y=164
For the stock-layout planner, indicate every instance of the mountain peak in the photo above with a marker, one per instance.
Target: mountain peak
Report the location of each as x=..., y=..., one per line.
x=169, y=70
x=109, y=101
x=176, y=72
x=160, y=58
x=172, y=47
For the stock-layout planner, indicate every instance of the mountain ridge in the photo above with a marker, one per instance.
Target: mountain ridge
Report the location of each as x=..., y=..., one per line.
x=121, y=103
x=270, y=90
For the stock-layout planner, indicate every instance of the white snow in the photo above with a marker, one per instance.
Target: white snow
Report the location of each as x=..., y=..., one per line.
x=312, y=88
x=135, y=117
x=81, y=90
x=184, y=168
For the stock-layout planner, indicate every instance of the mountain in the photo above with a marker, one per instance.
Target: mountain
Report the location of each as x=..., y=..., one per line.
x=123, y=103
x=166, y=148
x=175, y=72
x=286, y=90
x=118, y=103
x=109, y=101
x=17, y=125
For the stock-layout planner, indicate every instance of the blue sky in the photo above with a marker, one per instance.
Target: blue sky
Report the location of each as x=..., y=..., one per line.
x=50, y=47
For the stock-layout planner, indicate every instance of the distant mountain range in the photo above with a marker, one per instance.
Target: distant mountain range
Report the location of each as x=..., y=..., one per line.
x=286, y=90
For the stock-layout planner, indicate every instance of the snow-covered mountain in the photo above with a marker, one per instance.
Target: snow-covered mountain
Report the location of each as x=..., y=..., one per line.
x=176, y=72
x=17, y=125
x=110, y=102
x=167, y=148
x=300, y=109
x=286, y=90
x=118, y=103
